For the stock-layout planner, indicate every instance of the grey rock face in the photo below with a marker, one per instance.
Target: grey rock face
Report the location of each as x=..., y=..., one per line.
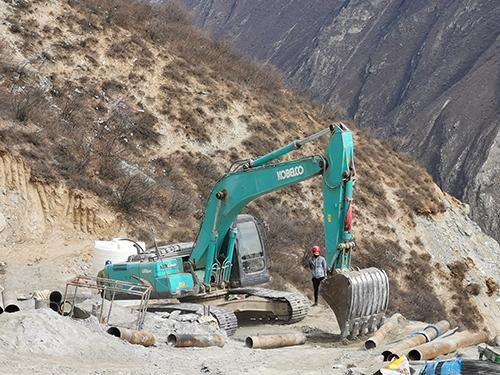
x=423, y=71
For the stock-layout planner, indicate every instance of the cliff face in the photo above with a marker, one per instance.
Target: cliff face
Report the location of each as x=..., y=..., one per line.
x=422, y=71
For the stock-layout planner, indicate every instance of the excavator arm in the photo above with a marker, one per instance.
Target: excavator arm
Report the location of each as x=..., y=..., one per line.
x=233, y=192
x=256, y=178
x=358, y=298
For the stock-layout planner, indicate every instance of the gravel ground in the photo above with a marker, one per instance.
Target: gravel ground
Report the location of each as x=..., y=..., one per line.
x=43, y=342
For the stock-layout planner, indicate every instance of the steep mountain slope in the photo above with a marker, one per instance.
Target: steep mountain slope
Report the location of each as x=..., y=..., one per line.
x=117, y=116
x=422, y=71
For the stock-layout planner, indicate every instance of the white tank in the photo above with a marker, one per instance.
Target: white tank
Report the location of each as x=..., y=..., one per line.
x=117, y=250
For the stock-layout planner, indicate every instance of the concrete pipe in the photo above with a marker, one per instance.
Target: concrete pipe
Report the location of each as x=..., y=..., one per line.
x=10, y=302
x=429, y=333
x=202, y=341
x=54, y=306
x=65, y=308
x=132, y=336
x=56, y=297
x=379, y=337
x=447, y=345
x=275, y=341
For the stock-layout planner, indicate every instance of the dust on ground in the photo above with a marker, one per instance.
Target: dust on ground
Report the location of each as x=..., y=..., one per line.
x=43, y=342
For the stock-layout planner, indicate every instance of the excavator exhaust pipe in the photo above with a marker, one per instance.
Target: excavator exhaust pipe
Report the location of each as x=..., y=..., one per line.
x=359, y=300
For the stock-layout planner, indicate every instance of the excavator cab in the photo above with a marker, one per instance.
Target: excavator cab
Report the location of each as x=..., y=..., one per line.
x=252, y=260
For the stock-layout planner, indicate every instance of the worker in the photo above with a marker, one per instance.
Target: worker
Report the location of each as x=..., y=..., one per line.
x=318, y=267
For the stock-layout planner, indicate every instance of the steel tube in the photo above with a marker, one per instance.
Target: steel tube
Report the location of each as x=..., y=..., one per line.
x=379, y=337
x=202, y=341
x=275, y=341
x=55, y=296
x=54, y=306
x=447, y=345
x=65, y=308
x=427, y=334
x=10, y=302
x=132, y=336
x=274, y=154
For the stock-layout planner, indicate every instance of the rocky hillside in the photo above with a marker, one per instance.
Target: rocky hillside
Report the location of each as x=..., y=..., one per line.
x=420, y=71
x=117, y=116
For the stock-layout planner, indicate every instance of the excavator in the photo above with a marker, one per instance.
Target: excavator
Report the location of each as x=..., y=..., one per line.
x=229, y=259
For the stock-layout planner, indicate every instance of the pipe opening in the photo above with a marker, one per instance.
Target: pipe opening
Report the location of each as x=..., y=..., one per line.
x=114, y=331
x=1, y=310
x=65, y=308
x=392, y=357
x=414, y=355
x=12, y=308
x=54, y=306
x=249, y=342
x=172, y=340
x=386, y=355
x=55, y=296
x=370, y=344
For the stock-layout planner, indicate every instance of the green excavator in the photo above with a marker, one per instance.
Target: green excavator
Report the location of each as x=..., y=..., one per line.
x=229, y=258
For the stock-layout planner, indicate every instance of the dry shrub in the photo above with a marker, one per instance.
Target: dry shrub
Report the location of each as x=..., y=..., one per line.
x=192, y=126
x=218, y=104
x=174, y=71
x=473, y=289
x=464, y=312
x=258, y=144
x=133, y=193
x=25, y=100
x=458, y=270
x=289, y=232
x=203, y=172
x=167, y=23
x=491, y=285
x=120, y=50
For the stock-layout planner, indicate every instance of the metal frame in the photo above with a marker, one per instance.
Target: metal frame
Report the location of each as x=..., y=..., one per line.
x=109, y=287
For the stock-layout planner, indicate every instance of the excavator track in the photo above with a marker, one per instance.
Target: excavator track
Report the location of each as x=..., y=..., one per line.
x=226, y=318
x=298, y=305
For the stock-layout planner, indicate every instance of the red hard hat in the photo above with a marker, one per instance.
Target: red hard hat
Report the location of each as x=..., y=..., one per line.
x=315, y=249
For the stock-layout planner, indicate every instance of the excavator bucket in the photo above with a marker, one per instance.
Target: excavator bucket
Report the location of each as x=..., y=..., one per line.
x=359, y=300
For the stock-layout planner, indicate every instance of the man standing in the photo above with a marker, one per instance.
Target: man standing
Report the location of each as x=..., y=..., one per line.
x=318, y=267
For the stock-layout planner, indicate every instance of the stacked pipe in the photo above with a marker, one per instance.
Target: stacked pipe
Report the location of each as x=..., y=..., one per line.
x=55, y=299
x=428, y=334
x=389, y=325
x=446, y=345
x=8, y=302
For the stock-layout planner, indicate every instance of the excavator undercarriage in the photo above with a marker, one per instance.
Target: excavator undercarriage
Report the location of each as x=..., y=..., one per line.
x=243, y=304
